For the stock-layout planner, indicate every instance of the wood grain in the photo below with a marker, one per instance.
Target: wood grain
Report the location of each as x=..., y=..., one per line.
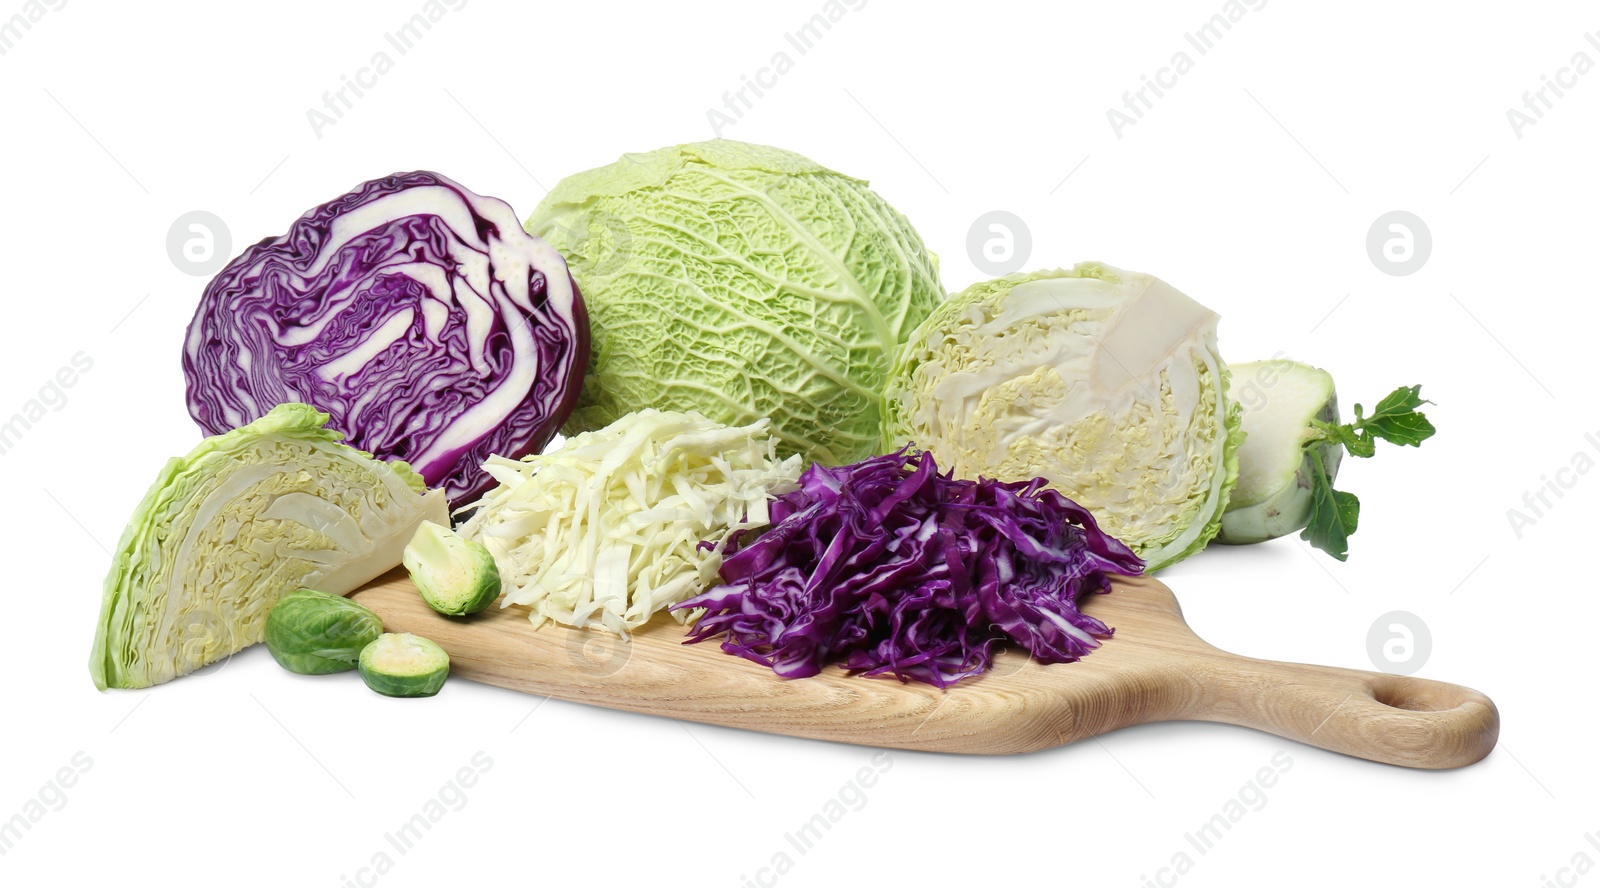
x=1154, y=669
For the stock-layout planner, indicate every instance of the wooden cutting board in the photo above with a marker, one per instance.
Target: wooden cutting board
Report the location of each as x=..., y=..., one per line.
x=1153, y=669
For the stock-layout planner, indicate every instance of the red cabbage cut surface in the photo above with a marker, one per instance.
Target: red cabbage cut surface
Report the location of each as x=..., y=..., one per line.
x=417, y=314
x=887, y=567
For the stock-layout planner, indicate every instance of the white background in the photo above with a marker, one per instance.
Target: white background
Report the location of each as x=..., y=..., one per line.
x=1250, y=185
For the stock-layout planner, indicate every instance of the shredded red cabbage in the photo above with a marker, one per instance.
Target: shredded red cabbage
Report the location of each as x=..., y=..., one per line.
x=887, y=567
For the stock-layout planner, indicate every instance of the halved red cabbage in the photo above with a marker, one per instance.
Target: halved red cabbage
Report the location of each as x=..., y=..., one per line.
x=888, y=567
x=417, y=314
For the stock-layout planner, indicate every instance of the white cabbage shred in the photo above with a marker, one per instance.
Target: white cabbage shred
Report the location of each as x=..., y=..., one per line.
x=607, y=530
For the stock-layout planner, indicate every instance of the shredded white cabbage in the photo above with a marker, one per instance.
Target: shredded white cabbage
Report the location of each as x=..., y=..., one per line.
x=606, y=531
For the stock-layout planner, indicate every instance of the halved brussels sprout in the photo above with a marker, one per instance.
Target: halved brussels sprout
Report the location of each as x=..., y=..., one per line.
x=455, y=575
x=399, y=664
x=314, y=633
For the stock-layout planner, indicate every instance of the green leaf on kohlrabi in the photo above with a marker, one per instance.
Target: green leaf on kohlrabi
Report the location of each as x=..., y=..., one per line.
x=1354, y=443
x=1349, y=510
x=1396, y=419
x=1334, y=513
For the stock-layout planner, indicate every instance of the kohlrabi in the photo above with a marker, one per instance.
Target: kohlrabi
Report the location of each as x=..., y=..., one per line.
x=1292, y=449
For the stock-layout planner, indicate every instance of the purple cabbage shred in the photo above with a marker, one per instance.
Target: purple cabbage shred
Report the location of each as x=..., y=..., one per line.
x=887, y=567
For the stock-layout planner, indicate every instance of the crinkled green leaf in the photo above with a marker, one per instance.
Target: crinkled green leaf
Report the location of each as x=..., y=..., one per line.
x=740, y=282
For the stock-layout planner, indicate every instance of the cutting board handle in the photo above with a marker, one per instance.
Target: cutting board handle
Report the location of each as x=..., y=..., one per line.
x=1396, y=719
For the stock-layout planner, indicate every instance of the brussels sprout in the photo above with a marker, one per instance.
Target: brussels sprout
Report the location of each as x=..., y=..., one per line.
x=399, y=664
x=314, y=633
x=455, y=575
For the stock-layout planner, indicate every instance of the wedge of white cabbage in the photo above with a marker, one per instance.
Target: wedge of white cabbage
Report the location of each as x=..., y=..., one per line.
x=246, y=517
